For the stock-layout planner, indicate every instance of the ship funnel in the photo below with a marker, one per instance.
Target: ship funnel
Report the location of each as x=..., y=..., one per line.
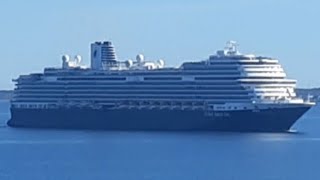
x=102, y=55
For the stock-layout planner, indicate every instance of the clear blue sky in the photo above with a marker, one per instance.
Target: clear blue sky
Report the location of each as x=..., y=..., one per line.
x=34, y=34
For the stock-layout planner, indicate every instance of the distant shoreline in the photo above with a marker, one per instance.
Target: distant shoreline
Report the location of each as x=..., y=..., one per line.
x=301, y=92
x=305, y=92
x=6, y=94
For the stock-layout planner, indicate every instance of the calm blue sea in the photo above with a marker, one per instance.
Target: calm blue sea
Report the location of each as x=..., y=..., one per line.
x=88, y=155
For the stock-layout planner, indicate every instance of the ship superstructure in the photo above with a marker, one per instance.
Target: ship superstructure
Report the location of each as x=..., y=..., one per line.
x=227, y=91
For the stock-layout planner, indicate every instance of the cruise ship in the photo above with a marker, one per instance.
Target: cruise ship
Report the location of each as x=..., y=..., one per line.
x=228, y=91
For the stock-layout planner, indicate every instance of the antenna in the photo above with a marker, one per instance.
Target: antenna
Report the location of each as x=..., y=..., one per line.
x=309, y=97
x=232, y=47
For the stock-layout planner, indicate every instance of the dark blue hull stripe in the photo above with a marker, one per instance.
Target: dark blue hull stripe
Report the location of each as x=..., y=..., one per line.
x=270, y=120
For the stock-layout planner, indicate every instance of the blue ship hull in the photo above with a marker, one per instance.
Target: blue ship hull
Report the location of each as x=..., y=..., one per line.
x=268, y=120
